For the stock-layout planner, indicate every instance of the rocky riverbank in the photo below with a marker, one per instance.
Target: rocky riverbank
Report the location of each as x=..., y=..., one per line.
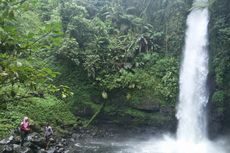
x=35, y=142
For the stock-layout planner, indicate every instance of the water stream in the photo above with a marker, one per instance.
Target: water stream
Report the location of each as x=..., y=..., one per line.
x=193, y=95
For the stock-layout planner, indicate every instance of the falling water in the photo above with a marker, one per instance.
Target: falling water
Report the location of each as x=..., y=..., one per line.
x=194, y=69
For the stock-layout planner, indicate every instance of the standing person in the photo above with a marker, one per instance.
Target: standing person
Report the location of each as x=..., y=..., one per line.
x=24, y=129
x=48, y=134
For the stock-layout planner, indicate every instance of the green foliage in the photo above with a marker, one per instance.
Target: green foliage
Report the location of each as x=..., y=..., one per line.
x=167, y=17
x=126, y=115
x=24, y=36
x=17, y=74
x=100, y=42
x=219, y=46
x=69, y=50
x=68, y=10
x=22, y=30
x=199, y=5
x=40, y=111
x=118, y=52
x=218, y=98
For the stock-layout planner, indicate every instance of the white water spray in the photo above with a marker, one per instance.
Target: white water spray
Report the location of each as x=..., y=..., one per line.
x=194, y=70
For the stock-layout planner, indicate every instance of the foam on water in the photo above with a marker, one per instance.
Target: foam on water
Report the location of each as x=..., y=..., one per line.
x=169, y=144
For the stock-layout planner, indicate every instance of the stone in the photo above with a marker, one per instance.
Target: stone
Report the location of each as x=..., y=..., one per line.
x=42, y=151
x=39, y=141
x=16, y=147
x=148, y=106
x=60, y=150
x=10, y=138
x=8, y=149
x=27, y=144
x=1, y=148
x=26, y=150
x=76, y=136
x=77, y=145
x=7, y=141
x=67, y=151
x=52, y=140
x=17, y=140
x=63, y=140
x=32, y=136
x=3, y=142
x=76, y=127
x=59, y=145
x=52, y=150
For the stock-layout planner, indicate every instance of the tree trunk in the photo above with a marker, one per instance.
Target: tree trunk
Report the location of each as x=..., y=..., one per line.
x=166, y=38
x=96, y=114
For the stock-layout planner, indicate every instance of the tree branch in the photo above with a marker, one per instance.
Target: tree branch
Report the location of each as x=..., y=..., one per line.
x=37, y=40
x=20, y=2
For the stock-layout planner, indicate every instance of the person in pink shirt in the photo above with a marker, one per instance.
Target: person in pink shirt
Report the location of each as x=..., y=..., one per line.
x=25, y=129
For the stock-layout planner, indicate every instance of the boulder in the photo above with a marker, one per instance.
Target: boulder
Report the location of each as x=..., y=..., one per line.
x=147, y=106
x=1, y=148
x=33, y=135
x=42, y=151
x=59, y=145
x=16, y=147
x=76, y=136
x=52, y=150
x=16, y=140
x=35, y=141
x=27, y=144
x=59, y=150
x=8, y=149
x=39, y=141
x=7, y=140
x=3, y=142
x=19, y=149
x=26, y=150
x=64, y=142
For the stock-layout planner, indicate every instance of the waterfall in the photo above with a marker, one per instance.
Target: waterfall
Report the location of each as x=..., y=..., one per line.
x=193, y=95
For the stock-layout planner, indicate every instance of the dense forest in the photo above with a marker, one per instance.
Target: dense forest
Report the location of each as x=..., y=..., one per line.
x=86, y=62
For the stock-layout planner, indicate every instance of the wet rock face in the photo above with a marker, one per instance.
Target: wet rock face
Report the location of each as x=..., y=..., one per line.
x=215, y=120
x=147, y=106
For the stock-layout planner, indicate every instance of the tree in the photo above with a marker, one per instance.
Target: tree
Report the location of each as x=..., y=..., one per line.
x=23, y=36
